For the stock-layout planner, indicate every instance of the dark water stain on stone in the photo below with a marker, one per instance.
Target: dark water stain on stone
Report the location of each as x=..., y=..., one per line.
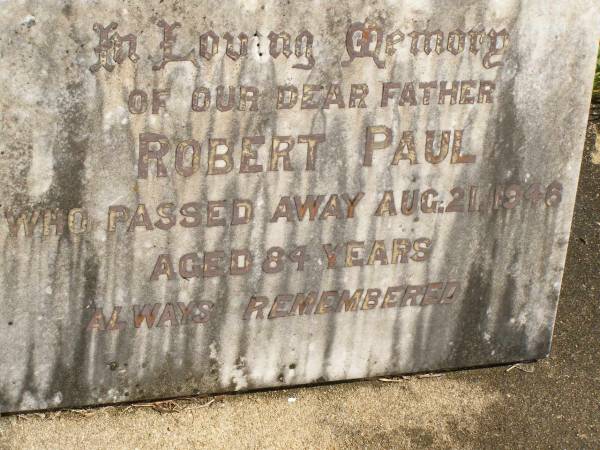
x=66, y=192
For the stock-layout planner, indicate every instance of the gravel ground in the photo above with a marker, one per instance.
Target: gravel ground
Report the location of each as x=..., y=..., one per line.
x=554, y=403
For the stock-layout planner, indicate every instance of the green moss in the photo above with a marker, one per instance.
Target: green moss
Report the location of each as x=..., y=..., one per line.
x=597, y=80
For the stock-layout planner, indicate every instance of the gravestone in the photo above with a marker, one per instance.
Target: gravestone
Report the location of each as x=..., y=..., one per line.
x=203, y=197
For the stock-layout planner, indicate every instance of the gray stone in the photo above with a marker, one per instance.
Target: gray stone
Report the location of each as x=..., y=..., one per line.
x=183, y=215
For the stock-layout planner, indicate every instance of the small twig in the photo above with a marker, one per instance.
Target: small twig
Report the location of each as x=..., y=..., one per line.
x=405, y=377
x=170, y=406
x=207, y=404
x=522, y=368
x=31, y=416
x=392, y=380
x=83, y=412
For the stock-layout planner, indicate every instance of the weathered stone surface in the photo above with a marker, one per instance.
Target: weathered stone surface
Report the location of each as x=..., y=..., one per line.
x=151, y=248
